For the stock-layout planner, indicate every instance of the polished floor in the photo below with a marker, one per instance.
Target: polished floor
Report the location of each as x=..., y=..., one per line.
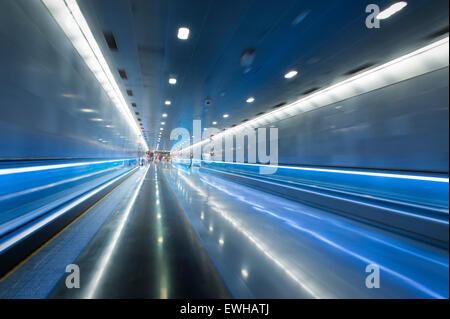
x=176, y=233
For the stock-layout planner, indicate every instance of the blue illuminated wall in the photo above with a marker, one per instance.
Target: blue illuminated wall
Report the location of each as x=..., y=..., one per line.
x=44, y=84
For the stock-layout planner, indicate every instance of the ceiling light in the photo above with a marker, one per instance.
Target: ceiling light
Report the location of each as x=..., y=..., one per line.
x=161, y=129
x=290, y=74
x=70, y=96
x=225, y=116
x=109, y=126
x=250, y=100
x=87, y=110
x=396, y=7
x=214, y=123
x=172, y=81
x=72, y=22
x=183, y=33
x=164, y=115
x=168, y=101
x=97, y=120
x=162, y=123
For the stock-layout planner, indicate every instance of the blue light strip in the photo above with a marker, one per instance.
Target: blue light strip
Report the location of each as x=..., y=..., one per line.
x=26, y=169
x=338, y=171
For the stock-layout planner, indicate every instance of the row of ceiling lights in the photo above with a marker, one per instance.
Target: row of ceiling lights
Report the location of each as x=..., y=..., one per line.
x=183, y=34
x=251, y=99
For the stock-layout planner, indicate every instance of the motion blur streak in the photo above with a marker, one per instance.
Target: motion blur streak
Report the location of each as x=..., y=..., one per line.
x=322, y=238
x=71, y=20
x=105, y=258
x=26, y=169
x=343, y=171
x=16, y=238
x=301, y=280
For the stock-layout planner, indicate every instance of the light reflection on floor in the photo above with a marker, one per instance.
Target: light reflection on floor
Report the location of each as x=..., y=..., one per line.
x=301, y=252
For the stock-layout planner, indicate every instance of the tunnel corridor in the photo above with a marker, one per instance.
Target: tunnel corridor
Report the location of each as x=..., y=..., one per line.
x=224, y=149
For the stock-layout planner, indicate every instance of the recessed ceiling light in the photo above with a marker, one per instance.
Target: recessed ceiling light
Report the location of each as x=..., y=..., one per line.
x=214, y=123
x=70, y=96
x=87, y=110
x=164, y=115
x=109, y=126
x=97, y=120
x=168, y=102
x=290, y=74
x=172, y=81
x=225, y=116
x=396, y=7
x=183, y=33
x=250, y=99
x=161, y=129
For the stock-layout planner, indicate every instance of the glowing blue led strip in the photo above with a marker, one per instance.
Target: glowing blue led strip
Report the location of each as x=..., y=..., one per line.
x=326, y=170
x=26, y=169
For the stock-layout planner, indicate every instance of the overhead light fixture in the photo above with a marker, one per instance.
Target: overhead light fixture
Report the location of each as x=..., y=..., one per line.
x=172, y=81
x=109, y=126
x=183, y=33
x=422, y=61
x=290, y=74
x=393, y=9
x=97, y=120
x=69, y=17
x=225, y=116
x=164, y=115
x=87, y=110
x=168, y=102
x=250, y=100
x=162, y=123
x=161, y=129
x=69, y=96
x=214, y=123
